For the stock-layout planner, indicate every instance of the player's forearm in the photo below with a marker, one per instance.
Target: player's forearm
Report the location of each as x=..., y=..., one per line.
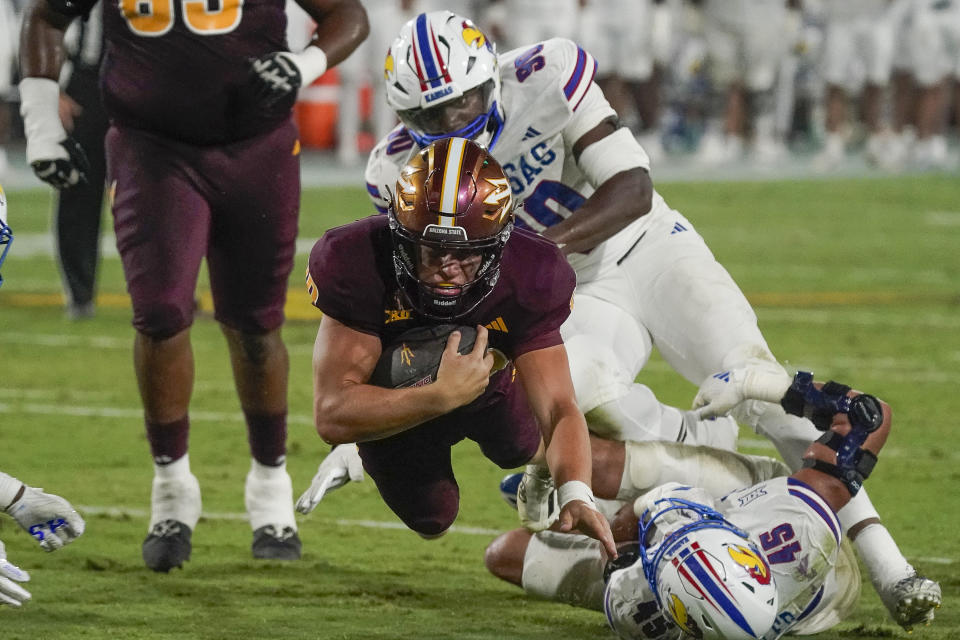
x=41, y=41
x=340, y=28
x=568, y=449
x=617, y=202
x=361, y=412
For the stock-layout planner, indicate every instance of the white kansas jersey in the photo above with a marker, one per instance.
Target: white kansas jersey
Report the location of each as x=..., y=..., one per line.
x=549, y=102
x=799, y=535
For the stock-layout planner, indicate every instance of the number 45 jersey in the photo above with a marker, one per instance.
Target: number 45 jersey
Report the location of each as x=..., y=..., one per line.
x=817, y=580
x=549, y=102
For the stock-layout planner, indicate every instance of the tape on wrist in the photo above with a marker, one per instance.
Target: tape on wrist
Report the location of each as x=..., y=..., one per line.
x=575, y=490
x=39, y=106
x=311, y=63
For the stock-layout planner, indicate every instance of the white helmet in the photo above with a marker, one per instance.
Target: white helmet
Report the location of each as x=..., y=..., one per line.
x=708, y=575
x=442, y=79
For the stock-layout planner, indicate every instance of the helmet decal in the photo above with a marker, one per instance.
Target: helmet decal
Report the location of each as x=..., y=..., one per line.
x=752, y=561
x=473, y=36
x=450, y=189
x=389, y=67
x=426, y=54
x=679, y=614
x=495, y=199
x=703, y=577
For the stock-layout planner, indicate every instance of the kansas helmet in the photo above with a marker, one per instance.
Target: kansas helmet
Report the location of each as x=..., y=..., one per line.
x=6, y=235
x=451, y=197
x=707, y=574
x=443, y=80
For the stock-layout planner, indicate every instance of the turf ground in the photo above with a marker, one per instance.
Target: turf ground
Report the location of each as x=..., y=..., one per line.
x=857, y=279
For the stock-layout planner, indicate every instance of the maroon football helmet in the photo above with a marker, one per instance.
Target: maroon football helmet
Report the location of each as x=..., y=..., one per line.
x=451, y=197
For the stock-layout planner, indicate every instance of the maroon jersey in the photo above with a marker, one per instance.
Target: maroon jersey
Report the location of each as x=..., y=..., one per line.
x=351, y=278
x=177, y=67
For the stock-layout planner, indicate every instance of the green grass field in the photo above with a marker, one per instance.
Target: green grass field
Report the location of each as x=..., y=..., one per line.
x=857, y=279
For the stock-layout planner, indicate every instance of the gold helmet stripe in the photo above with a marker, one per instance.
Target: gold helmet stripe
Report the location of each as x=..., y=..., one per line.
x=451, y=181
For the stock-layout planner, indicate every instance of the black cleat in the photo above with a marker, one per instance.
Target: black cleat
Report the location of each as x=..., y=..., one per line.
x=268, y=544
x=167, y=546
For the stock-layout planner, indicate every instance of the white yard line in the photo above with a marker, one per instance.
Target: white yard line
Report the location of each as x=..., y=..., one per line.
x=131, y=512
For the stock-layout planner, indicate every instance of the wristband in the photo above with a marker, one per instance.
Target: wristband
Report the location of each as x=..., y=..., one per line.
x=39, y=106
x=311, y=63
x=575, y=490
x=9, y=488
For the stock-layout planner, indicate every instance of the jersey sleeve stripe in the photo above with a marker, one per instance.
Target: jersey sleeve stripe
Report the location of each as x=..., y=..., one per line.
x=373, y=190
x=813, y=500
x=813, y=604
x=579, y=81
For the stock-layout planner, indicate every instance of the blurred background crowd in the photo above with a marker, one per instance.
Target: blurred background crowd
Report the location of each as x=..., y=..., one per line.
x=705, y=82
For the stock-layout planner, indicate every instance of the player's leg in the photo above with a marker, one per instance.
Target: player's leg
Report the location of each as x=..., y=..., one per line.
x=250, y=258
x=561, y=567
x=414, y=475
x=80, y=208
x=161, y=224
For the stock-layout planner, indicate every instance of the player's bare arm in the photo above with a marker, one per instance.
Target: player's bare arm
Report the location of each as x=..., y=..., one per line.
x=831, y=488
x=346, y=409
x=341, y=26
x=618, y=201
x=546, y=380
x=41, y=40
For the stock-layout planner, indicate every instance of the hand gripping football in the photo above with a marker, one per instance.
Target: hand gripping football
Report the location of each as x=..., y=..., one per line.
x=413, y=359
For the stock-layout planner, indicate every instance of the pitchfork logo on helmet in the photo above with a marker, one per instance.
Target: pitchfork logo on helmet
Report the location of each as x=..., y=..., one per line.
x=6, y=235
x=708, y=574
x=451, y=198
x=442, y=79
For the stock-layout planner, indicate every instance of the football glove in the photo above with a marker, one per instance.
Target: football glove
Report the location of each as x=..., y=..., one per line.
x=12, y=593
x=341, y=466
x=722, y=391
x=276, y=77
x=51, y=520
x=55, y=157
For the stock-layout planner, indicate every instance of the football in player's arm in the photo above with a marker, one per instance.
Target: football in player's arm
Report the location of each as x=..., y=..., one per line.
x=648, y=277
x=48, y=518
x=446, y=252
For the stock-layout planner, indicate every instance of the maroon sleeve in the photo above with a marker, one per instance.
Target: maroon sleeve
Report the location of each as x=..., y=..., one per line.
x=544, y=294
x=343, y=278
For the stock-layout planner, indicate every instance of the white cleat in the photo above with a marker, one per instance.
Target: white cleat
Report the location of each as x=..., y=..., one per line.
x=912, y=600
x=537, y=499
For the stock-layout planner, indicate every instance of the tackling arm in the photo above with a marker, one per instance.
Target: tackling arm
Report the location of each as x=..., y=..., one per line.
x=546, y=379
x=347, y=410
x=614, y=162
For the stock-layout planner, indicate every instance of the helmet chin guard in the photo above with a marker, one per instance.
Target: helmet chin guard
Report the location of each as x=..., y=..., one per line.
x=452, y=197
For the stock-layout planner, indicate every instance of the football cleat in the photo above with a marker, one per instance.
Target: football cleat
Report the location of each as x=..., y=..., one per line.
x=271, y=544
x=167, y=546
x=508, y=488
x=912, y=600
x=537, y=499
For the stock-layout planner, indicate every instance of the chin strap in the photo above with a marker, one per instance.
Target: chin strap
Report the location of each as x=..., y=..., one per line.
x=854, y=464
